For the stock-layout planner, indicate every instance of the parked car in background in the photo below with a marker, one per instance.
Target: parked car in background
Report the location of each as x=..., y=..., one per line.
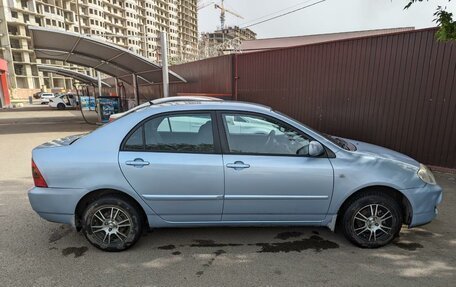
x=44, y=98
x=63, y=101
x=218, y=163
x=37, y=95
x=113, y=117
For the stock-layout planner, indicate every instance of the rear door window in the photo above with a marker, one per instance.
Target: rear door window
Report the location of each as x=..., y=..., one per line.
x=174, y=133
x=135, y=142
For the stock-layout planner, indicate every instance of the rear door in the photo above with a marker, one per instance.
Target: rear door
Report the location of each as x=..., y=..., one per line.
x=174, y=162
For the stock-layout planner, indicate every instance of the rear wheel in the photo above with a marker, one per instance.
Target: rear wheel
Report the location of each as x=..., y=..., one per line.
x=60, y=106
x=111, y=224
x=372, y=220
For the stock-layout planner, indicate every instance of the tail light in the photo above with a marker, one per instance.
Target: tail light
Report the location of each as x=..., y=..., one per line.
x=38, y=178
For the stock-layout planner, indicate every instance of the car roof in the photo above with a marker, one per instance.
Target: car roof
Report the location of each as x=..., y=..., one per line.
x=212, y=105
x=183, y=98
x=167, y=100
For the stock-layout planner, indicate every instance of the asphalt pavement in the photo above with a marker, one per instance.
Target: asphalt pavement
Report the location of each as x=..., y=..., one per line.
x=34, y=252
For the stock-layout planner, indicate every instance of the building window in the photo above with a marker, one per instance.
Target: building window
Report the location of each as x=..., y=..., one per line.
x=12, y=30
x=17, y=57
x=15, y=44
x=14, y=14
x=19, y=69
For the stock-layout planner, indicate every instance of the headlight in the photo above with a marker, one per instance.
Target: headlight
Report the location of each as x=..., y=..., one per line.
x=426, y=175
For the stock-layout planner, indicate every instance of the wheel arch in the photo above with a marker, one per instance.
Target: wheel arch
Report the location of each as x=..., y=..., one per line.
x=405, y=205
x=95, y=194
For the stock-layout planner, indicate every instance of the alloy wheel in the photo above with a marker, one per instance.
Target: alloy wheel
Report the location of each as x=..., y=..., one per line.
x=110, y=224
x=373, y=222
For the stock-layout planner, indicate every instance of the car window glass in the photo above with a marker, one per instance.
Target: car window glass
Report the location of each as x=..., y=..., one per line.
x=180, y=133
x=259, y=135
x=164, y=125
x=135, y=141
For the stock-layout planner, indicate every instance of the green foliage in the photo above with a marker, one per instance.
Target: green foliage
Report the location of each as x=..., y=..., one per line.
x=444, y=20
x=447, y=26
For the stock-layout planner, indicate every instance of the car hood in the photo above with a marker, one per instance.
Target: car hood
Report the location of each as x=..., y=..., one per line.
x=381, y=152
x=61, y=141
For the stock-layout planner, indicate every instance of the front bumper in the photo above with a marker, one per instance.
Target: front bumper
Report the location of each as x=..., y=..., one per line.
x=55, y=204
x=424, y=201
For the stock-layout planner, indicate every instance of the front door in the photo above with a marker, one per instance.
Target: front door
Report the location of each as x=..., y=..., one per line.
x=172, y=162
x=268, y=173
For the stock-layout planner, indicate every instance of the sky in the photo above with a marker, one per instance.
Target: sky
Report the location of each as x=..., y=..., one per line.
x=327, y=17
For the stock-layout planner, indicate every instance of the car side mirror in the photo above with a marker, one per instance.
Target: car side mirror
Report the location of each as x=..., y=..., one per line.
x=316, y=149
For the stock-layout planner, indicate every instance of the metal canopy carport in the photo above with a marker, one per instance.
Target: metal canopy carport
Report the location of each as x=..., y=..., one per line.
x=83, y=78
x=110, y=59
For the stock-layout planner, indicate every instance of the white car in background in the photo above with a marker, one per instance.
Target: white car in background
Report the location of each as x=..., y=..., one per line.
x=45, y=97
x=64, y=101
x=114, y=117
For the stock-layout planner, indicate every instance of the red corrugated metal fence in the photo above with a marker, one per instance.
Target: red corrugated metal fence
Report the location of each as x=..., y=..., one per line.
x=398, y=91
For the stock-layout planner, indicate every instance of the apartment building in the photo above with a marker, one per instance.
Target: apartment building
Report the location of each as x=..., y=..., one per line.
x=224, y=41
x=132, y=24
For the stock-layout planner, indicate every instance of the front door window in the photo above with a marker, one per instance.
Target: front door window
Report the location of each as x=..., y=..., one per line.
x=252, y=134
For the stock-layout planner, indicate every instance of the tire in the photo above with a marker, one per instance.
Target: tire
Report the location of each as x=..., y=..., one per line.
x=111, y=223
x=60, y=106
x=372, y=219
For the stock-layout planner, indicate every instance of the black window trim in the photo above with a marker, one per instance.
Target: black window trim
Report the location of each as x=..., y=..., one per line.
x=224, y=141
x=215, y=132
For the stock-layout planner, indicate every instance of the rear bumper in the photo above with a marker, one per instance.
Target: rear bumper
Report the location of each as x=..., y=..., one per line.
x=58, y=218
x=424, y=202
x=55, y=204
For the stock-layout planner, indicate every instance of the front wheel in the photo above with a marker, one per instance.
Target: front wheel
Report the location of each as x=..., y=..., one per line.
x=60, y=106
x=372, y=220
x=111, y=224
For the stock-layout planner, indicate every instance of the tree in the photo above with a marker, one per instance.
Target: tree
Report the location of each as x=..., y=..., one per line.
x=444, y=20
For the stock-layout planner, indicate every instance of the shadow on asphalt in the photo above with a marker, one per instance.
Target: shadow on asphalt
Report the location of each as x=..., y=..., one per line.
x=56, y=127
x=36, y=108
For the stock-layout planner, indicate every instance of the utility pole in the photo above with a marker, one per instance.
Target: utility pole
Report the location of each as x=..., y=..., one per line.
x=99, y=83
x=164, y=62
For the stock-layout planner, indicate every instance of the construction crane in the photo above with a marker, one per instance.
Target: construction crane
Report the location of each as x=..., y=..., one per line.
x=223, y=10
x=204, y=4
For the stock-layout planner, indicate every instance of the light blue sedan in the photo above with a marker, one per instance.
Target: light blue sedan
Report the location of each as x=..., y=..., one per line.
x=214, y=163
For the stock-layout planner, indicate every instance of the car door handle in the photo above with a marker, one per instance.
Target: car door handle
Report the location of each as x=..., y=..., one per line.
x=137, y=162
x=237, y=165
